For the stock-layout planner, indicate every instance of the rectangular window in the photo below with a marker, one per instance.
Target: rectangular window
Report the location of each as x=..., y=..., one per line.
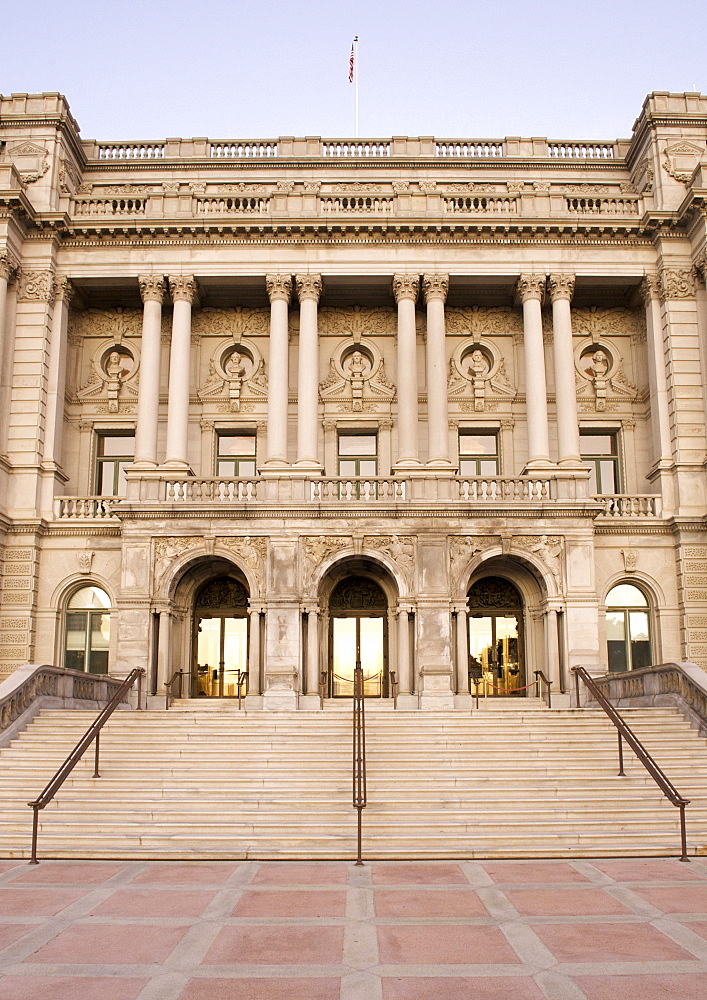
x=478, y=453
x=114, y=451
x=235, y=455
x=600, y=454
x=358, y=454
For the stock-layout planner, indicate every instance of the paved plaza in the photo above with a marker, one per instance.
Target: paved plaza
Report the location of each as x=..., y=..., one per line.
x=523, y=930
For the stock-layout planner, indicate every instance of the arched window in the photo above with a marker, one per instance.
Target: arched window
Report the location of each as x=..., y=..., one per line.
x=87, y=631
x=628, y=635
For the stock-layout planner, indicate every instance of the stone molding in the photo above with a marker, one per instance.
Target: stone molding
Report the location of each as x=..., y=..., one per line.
x=406, y=286
x=9, y=266
x=36, y=286
x=561, y=286
x=153, y=287
x=435, y=286
x=64, y=290
x=650, y=288
x=279, y=287
x=531, y=287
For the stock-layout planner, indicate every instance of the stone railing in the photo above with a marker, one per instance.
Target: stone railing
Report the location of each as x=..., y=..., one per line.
x=683, y=685
x=34, y=686
x=475, y=148
x=232, y=205
x=626, y=205
x=357, y=203
x=580, y=150
x=131, y=151
x=258, y=149
x=355, y=148
x=211, y=490
x=505, y=488
x=480, y=203
x=354, y=489
x=624, y=505
x=83, y=508
x=109, y=206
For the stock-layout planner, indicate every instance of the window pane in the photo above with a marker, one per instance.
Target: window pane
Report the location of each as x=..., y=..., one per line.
x=226, y=469
x=488, y=467
x=122, y=481
x=468, y=467
x=367, y=468
x=89, y=597
x=246, y=468
x=597, y=444
x=626, y=596
x=121, y=445
x=106, y=479
x=236, y=444
x=592, y=477
x=347, y=467
x=478, y=444
x=608, y=477
x=357, y=444
x=616, y=640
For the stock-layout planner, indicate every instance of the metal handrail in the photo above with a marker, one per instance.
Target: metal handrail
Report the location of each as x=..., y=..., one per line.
x=169, y=687
x=241, y=679
x=394, y=687
x=359, y=753
x=93, y=733
x=625, y=732
x=544, y=687
x=322, y=688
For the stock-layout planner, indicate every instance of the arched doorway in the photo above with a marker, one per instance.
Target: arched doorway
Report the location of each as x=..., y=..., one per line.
x=220, y=642
x=358, y=634
x=496, y=658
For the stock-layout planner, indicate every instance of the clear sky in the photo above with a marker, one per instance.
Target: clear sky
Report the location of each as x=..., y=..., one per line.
x=262, y=68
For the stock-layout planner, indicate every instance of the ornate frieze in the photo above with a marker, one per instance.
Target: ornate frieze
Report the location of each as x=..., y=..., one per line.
x=36, y=286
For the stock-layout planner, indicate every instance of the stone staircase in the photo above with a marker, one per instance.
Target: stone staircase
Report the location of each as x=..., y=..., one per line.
x=207, y=781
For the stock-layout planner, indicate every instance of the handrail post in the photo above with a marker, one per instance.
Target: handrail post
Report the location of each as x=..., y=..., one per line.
x=576, y=687
x=139, y=692
x=98, y=750
x=683, y=834
x=622, y=773
x=359, y=755
x=35, y=826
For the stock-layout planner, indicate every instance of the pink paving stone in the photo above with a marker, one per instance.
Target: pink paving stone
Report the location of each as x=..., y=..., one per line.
x=9, y=933
x=155, y=903
x=483, y=988
x=187, y=873
x=564, y=902
x=294, y=873
x=415, y=873
x=262, y=989
x=673, y=986
x=514, y=872
x=652, y=869
x=282, y=945
x=676, y=899
x=431, y=944
x=291, y=903
x=33, y=902
x=428, y=903
x=111, y=944
x=70, y=872
x=70, y=987
x=607, y=942
x=698, y=926
x=5, y=866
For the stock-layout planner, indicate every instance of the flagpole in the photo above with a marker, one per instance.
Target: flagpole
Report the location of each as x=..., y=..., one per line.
x=356, y=79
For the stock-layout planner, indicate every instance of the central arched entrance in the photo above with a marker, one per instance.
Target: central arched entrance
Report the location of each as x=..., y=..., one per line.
x=496, y=656
x=220, y=646
x=358, y=634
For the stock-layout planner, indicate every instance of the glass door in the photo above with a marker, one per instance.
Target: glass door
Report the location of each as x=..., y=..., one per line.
x=495, y=655
x=357, y=639
x=221, y=656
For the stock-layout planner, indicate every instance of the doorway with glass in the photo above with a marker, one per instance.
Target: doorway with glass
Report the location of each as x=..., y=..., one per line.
x=220, y=647
x=358, y=635
x=496, y=660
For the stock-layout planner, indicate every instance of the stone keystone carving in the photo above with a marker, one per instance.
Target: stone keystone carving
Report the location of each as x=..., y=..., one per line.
x=531, y=286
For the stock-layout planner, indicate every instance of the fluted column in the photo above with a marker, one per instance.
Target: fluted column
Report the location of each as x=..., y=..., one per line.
x=561, y=288
x=312, y=651
x=184, y=291
x=435, y=288
x=404, y=665
x=56, y=374
x=152, y=289
x=309, y=288
x=279, y=288
x=657, y=381
x=531, y=289
x=406, y=288
x=462, y=652
x=254, y=652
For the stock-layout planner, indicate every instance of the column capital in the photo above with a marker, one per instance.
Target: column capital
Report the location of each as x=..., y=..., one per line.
x=531, y=286
x=650, y=288
x=153, y=287
x=309, y=286
x=9, y=265
x=700, y=267
x=435, y=286
x=677, y=282
x=64, y=290
x=561, y=286
x=279, y=287
x=184, y=288
x=406, y=286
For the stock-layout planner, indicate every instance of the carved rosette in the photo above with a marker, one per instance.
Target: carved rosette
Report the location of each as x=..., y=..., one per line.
x=279, y=287
x=561, y=286
x=184, y=288
x=153, y=287
x=169, y=550
x=650, y=288
x=318, y=548
x=435, y=286
x=677, y=282
x=36, y=286
x=406, y=286
x=309, y=286
x=400, y=549
x=531, y=286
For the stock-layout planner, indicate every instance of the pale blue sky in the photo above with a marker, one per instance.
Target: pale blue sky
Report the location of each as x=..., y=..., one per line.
x=249, y=69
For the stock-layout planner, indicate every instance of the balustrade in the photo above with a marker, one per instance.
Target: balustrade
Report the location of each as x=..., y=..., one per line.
x=504, y=488
x=211, y=490
x=604, y=206
x=131, y=151
x=581, y=150
x=84, y=507
x=620, y=505
x=474, y=203
x=359, y=148
x=357, y=203
x=239, y=150
x=222, y=206
x=109, y=206
x=469, y=147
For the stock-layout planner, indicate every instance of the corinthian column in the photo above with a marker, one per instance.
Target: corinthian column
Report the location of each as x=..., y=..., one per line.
x=531, y=289
x=184, y=292
x=405, y=289
x=56, y=375
x=152, y=290
x=657, y=381
x=279, y=288
x=561, y=288
x=8, y=266
x=435, y=288
x=309, y=288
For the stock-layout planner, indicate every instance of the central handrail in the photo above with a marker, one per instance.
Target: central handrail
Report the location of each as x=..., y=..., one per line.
x=169, y=687
x=626, y=733
x=359, y=753
x=92, y=733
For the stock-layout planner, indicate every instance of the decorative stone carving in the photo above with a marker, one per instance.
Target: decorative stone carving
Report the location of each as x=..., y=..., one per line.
x=184, y=287
x=399, y=548
x=30, y=160
x=309, y=286
x=356, y=370
x=279, y=286
x=598, y=324
x=85, y=560
x=36, y=286
x=541, y=187
x=238, y=369
x=435, y=286
x=234, y=324
x=8, y=265
x=478, y=323
x=153, y=287
x=406, y=286
x=700, y=267
x=629, y=557
x=462, y=549
x=318, y=548
x=677, y=282
x=548, y=548
x=650, y=288
x=531, y=286
x=561, y=286
x=113, y=373
x=681, y=158
x=478, y=367
x=169, y=550
x=251, y=550
x=600, y=368
x=356, y=323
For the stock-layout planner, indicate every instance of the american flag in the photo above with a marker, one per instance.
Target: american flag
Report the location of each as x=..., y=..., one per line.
x=351, y=64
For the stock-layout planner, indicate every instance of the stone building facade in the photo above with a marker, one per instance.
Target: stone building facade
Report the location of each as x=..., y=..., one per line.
x=267, y=408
